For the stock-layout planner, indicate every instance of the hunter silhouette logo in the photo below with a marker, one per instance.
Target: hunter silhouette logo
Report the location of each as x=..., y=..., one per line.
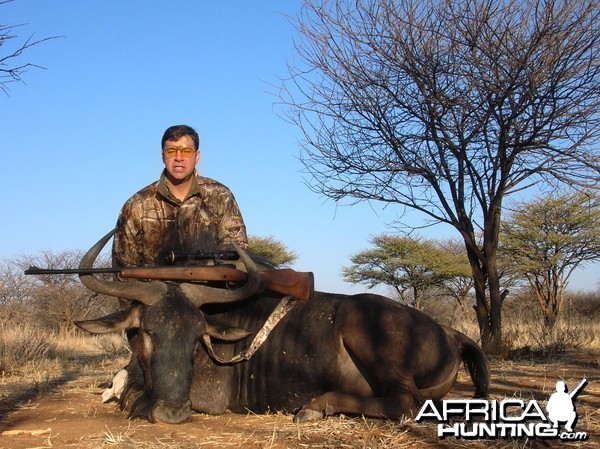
x=508, y=418
x=561, y=405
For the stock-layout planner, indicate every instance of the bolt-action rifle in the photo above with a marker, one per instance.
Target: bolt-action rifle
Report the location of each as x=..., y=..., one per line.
x=285, y=281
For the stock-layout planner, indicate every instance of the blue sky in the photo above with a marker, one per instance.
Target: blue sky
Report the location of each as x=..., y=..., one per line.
x=84, y=134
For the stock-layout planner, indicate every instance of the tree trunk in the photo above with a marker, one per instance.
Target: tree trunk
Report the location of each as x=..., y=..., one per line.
x=488, y=306
x=548, y=289
x=493, y=345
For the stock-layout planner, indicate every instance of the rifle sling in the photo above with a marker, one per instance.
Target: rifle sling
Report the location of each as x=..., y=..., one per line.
x=285, y=305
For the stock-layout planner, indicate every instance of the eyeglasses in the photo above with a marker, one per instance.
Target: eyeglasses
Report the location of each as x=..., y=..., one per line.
x=171, y=152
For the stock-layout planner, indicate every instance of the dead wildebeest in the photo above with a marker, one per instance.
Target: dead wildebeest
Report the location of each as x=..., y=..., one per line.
x=362, y=354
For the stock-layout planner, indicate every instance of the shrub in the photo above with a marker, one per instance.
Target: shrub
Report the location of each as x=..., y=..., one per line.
x=20, y=345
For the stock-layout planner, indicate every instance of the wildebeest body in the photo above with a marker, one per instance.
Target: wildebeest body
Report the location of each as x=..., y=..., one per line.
x=356, y=344
x=380, y=354
x=362, y=354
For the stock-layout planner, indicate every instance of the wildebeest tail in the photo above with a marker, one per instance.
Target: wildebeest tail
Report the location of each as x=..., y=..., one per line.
x=477, y=365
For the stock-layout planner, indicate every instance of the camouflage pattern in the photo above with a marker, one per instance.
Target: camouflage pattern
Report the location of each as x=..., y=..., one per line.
x=153, y=222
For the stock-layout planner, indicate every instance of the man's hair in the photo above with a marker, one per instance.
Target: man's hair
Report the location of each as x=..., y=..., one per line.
x=178, y=131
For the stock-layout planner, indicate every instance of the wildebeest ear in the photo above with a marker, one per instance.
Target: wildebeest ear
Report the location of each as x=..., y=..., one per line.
x=225, y=333
x=115, y=322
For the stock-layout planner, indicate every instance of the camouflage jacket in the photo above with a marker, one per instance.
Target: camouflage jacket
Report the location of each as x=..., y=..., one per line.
x=153, y=222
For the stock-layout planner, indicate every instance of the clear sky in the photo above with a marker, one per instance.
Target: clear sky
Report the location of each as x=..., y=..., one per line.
x=84, y=134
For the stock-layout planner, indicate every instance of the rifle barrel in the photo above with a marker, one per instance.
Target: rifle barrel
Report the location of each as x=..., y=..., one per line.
x=36, y=270
x=577, y=389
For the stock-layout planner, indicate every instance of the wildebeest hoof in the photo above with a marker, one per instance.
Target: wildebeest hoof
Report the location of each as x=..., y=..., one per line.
x=307, y=414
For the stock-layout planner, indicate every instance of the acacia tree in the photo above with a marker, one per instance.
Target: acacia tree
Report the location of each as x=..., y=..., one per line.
x=408, y=265
x=546, y=239
x=271, y=251
x=460, y=284
x=447, y=107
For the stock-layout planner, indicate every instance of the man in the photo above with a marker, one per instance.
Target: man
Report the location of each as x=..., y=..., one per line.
x=561, y=406
x=182, y=211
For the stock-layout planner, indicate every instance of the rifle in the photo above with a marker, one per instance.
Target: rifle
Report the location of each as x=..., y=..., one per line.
x=576, y=391
x=285, y=281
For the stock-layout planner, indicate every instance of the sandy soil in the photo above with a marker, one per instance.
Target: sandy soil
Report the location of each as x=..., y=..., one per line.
x=66, y=412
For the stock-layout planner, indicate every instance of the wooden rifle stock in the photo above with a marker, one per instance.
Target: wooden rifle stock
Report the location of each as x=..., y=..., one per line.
x=285, y=281
x=289, y=282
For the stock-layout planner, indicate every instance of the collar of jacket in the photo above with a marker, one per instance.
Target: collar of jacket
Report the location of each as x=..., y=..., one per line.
x=163, y=189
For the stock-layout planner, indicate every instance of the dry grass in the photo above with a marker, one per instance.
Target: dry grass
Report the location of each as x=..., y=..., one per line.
x=576, y=333
x=25, y=347
x=74, y=368
x=21, y=345
x=270, y=431
x=32, y=360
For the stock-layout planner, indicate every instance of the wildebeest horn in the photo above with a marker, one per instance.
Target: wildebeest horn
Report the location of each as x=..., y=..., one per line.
x=144, y=292
x=201, y=294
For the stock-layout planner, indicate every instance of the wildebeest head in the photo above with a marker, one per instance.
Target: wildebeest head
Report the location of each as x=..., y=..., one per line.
x=169, y=327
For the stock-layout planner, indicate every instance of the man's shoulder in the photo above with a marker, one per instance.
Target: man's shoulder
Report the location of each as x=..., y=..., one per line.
x=150, y=189
x=146, y=192
x=210, y=185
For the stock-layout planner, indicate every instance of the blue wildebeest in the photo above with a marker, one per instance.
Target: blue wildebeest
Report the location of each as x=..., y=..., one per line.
x=363, y=354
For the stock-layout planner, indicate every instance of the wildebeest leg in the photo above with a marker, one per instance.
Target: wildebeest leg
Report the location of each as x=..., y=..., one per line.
x=374, y=407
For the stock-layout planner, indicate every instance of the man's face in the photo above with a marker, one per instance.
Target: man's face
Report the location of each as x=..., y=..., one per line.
x=178, y=160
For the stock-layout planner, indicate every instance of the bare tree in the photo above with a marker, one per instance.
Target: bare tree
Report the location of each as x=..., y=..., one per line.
x=11, y=66
x=13, y=294
x=446, y=107
x=57, y=300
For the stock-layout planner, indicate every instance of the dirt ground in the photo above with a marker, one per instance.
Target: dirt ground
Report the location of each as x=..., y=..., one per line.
x=66, y=412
